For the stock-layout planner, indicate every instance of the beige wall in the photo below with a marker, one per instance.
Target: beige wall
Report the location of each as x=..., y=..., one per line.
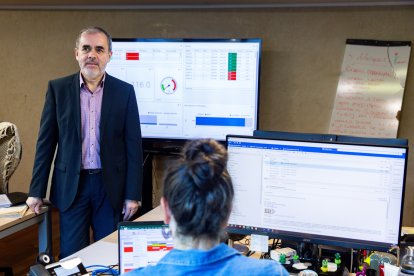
x=302, y=56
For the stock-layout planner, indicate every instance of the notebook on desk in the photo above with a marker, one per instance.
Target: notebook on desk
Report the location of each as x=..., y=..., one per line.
x=142, y=243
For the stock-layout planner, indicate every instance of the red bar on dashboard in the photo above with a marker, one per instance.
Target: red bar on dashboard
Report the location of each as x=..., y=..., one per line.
x=132, y=56
x=128, y=249
x=232, y=75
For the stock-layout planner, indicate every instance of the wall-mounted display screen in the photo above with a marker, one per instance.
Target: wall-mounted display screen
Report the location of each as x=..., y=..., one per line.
x=191, y=88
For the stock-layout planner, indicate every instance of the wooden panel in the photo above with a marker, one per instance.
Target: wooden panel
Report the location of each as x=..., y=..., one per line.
x=302, y=55
x=196, y=3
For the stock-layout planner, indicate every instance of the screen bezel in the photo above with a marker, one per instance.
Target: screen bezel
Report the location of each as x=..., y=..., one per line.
x=322, y=239
x=181, y=140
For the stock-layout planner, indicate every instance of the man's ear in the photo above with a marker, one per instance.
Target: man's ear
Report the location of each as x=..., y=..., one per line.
x=165, y=210
x=76, y=53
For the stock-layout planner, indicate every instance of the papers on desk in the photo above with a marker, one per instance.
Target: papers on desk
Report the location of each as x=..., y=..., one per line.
x=11, y=199
x=14, y=211
x=4, y=201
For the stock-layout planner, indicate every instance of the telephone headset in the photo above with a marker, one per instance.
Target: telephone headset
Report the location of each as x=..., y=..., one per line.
x=44, y=267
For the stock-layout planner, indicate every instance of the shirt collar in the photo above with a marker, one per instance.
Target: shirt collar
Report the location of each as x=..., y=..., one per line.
x=197, y=256
x=82, y=82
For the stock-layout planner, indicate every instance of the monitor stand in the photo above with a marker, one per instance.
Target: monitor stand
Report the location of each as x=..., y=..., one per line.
x=308, y=251
x=239, y=247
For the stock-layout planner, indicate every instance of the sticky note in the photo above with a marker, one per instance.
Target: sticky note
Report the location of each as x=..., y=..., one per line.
x=259, y=243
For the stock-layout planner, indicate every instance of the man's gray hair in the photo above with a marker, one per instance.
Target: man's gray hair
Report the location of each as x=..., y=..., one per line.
x=93, y=30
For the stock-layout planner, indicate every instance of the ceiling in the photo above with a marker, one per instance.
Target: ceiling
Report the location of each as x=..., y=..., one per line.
x=168, y=4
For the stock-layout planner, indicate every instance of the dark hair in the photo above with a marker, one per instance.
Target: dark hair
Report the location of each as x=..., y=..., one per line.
x=93, y=30
x=199, y=190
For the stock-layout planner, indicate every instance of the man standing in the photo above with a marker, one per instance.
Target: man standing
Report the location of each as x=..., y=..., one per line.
x=92, y=119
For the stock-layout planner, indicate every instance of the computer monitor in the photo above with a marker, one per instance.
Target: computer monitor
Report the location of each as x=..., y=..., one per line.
x=323, y=137
x=300, y=136
x=348, y=195
x=372, y=141
x=191, y=88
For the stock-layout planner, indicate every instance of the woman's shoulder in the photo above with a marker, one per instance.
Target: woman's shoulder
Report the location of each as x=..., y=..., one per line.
x=236, y=263
x=259, y=266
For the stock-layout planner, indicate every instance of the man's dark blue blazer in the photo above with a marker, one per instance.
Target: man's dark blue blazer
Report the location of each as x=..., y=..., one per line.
x=120, y=143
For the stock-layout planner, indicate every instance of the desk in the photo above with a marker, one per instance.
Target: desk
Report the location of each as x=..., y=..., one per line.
x=105, y=251
x=10, y=226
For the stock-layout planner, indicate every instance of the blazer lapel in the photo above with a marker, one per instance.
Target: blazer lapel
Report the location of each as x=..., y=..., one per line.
x=76, y=103
x=108, y=100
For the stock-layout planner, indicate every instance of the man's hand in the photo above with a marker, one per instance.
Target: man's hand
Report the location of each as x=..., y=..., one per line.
x=34, y=203
x=130, y=208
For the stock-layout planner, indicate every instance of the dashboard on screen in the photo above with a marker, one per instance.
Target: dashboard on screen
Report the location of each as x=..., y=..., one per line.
x=191, y=88
x=348, y=195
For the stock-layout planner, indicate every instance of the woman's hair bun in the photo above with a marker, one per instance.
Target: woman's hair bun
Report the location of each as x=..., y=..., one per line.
x=206, y=160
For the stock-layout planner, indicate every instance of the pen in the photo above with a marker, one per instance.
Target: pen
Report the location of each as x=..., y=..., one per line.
x=25, y=210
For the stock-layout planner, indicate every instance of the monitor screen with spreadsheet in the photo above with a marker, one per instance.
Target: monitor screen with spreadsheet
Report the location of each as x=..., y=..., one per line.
x=142, y=243
x=191, y=88
x=332, y=193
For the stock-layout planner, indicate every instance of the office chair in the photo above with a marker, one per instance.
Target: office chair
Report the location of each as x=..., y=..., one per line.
x=10, y=153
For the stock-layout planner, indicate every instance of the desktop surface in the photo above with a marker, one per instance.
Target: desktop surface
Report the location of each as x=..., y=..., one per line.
x=105, y=251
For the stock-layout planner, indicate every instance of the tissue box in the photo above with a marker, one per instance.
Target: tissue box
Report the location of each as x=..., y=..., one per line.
x=289, y=253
